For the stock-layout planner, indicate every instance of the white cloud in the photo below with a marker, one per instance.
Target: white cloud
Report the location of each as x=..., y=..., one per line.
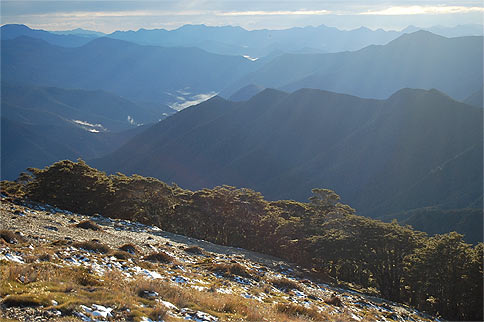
x=274, y=13
x=94, y=128
x=193, y=100
x=422, y=10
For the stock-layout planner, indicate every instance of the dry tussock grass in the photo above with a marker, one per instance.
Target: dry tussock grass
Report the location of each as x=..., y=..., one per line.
x=231, y=269
x=88, y=224
x=93, y=246
x=130, y=248
x=159, y=257
x=10, y=237
x=285, y=284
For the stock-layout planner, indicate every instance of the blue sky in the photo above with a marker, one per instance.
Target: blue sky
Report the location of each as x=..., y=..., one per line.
x=108, y=16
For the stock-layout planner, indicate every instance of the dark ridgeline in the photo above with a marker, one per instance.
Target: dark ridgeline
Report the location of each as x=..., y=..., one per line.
x=416, y=149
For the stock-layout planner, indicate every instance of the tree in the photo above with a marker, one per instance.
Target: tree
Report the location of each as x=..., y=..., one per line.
x=71, y=185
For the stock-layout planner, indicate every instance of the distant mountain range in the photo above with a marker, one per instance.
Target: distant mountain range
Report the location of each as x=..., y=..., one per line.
x=9, y=32
x=228, y=40
x=180, y=77
x=41, y=125
x=139, y=73
x=417, y=60
x=416, y=149
x=259, y=43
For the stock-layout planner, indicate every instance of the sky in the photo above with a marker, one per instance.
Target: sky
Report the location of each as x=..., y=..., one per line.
x=108, y=16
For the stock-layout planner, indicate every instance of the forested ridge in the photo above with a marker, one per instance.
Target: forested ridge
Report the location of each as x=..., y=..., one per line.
x=441, y=275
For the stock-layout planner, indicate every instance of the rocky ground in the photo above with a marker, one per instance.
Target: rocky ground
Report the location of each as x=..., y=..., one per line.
x=57, y=265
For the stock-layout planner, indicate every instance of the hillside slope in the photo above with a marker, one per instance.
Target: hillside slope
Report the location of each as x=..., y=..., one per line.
x=197, y=280
x=418, y=60
x=418, y=148
x=41, y=125
x=139, y=73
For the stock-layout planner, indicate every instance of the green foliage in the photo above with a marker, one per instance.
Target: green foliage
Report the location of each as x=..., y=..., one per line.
x=71, y=185
x=446, y=276
x=440, y=274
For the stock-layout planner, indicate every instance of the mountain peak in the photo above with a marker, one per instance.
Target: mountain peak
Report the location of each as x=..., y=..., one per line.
x=417, y=36
x=268, y=94
x=246, y=92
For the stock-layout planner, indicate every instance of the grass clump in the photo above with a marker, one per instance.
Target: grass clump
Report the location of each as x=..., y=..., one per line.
x=158, y=313
x=231, y=269
x=10, y=237
x=298, y=310
x=120, y=254
x=194, y=250
x=24, y=300
x=92, y=246
x=334, y=300
x=129, y=248
x=285, y=284
x=83, y=277
x=88, y=224
x=46, y=257
x=159, y=257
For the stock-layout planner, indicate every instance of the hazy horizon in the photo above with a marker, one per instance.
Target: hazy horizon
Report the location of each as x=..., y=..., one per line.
x=109, y=16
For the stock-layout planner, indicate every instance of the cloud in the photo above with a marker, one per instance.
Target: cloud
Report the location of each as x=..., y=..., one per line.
x=131, y=13
x=422, y=10
x=193, y=100
x=108, y=16
x=274, y=13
